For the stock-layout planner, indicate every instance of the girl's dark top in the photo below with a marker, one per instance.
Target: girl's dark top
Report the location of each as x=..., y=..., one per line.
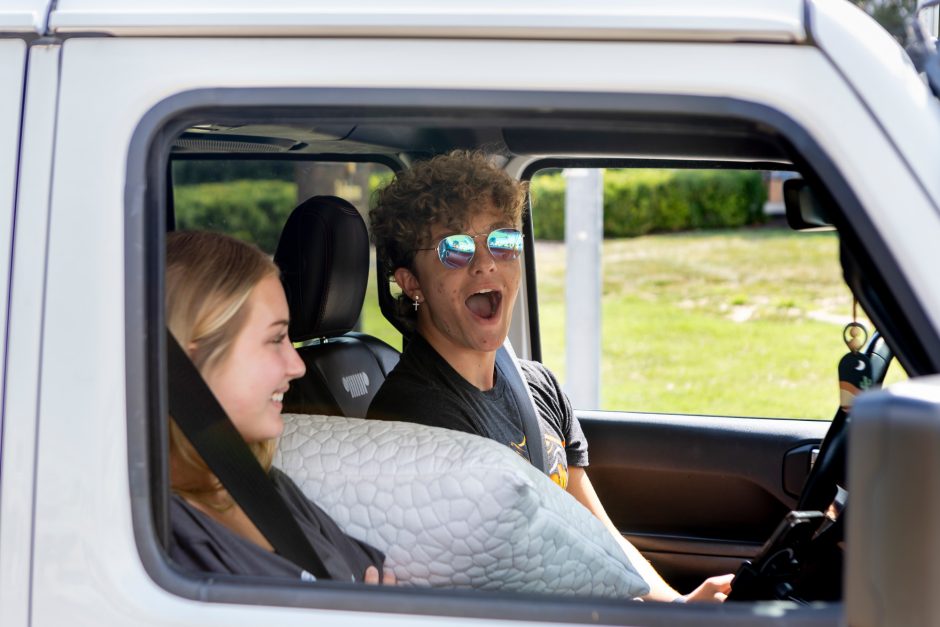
x=200, y=543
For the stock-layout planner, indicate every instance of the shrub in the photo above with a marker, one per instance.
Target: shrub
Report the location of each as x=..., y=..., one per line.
x=379, y=179
x=250, y=210
x=547, y=195
x=196, y=171
x=639, y=201
x=636, y=202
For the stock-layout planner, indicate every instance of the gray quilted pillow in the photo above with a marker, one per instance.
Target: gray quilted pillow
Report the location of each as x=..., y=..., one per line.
x=452, y=510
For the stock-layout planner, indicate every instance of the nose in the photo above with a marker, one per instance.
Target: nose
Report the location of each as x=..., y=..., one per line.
x=483, y=260
x=295, y=365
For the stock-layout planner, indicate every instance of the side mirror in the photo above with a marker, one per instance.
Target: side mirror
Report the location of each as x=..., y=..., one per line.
x=921, y=46
x=804, y=211
x=891, y=575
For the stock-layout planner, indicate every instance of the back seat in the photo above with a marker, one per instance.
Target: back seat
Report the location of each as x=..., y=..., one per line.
x=323, y=254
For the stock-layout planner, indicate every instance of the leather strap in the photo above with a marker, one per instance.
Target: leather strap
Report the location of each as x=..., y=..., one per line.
x=507, y=367
x=211, y=432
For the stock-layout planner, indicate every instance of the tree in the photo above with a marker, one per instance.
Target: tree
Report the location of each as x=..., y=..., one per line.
x=891, y=14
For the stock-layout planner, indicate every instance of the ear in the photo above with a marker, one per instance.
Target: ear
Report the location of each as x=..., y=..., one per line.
x=408, y=282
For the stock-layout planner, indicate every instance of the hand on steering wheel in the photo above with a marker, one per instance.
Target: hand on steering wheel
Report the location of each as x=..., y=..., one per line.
x=712, y=590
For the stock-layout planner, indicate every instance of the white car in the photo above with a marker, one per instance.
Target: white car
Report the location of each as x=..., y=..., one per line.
x=100, y=100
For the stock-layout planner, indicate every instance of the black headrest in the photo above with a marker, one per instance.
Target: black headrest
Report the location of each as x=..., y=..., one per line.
x=323, y=255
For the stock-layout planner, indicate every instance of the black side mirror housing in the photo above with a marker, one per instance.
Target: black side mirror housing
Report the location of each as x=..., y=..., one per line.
x=803, y=209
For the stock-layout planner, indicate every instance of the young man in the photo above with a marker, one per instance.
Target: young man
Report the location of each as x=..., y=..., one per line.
x=448, y=231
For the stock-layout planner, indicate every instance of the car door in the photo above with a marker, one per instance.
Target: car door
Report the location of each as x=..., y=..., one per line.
x=103, y=297
x=12, y=77
x=697, y=494
x=717, y=352
x=15, y=484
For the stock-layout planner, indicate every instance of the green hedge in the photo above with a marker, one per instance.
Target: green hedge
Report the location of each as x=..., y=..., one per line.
x=253, y=211
x=637, y=202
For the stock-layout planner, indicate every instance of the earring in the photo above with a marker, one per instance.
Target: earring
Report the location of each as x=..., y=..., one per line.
x=417, y=303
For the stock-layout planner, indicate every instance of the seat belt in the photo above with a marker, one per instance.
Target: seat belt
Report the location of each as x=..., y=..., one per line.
x=202, y=419
x=507, y=367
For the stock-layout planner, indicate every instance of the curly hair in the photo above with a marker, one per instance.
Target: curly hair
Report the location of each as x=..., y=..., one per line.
x=442, y=191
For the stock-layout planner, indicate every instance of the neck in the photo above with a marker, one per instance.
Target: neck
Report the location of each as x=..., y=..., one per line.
x=477, y=367
x=203, y=491
x=195, y=484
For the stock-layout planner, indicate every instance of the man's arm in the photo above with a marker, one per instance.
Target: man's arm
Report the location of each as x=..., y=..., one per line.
x=579, y=486
x=714, y=589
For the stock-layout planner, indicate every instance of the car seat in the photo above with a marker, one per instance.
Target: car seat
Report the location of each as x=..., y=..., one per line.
x=323, y=254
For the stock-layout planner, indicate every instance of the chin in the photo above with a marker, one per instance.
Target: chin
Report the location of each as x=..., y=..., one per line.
x=491, y=343
x=274, y=426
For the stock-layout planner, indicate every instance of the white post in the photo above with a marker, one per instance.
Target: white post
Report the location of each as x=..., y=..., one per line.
x=584, y=213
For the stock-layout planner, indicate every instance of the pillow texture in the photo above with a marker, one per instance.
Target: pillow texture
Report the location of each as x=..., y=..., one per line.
x=453, y=510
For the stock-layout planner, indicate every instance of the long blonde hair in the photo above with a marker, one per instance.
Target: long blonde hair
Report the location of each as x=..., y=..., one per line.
x=209, y=277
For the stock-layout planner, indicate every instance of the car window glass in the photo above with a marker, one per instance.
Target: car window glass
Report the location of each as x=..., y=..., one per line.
x=251, y=199
x=710, y=304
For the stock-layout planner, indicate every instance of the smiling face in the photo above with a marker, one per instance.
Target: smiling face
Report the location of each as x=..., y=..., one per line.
x=251, y=380
x=464, y=310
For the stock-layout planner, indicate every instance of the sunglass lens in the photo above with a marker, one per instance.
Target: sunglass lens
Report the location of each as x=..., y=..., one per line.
x=456, y=251
x=505, y=244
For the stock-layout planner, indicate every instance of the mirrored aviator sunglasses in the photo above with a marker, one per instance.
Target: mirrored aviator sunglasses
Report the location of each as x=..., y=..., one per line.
x=456, y=251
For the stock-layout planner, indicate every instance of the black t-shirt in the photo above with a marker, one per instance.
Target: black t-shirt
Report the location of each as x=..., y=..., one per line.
x=200, y=543
x=425, y=389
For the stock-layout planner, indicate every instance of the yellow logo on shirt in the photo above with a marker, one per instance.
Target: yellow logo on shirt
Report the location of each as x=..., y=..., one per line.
x=554, y=453
x=557, y=460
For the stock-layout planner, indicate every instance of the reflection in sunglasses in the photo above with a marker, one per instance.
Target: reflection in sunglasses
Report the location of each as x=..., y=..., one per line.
x=456, y=251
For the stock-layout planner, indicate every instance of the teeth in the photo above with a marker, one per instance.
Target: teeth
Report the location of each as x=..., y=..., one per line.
x=277, y=397
x=484, y=291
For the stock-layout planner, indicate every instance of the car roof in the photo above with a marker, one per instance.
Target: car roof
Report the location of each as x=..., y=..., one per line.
x=24, y=17
x=778, y=21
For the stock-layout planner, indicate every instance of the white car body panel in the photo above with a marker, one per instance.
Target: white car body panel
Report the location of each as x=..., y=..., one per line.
x=12, y=74
x=24, y=16
x=68, y=552
x=113, y=83
x=897, y=96
x=21, y=399
x=759, y=20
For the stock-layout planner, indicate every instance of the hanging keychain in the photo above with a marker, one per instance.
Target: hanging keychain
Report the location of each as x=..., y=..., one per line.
x=854, y=367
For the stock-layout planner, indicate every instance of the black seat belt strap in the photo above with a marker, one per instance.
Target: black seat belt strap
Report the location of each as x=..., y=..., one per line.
x=215, y=438
x=507, y=367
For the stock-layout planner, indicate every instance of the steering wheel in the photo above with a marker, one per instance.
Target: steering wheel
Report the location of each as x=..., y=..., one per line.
x=817, y=575
x=829, y=471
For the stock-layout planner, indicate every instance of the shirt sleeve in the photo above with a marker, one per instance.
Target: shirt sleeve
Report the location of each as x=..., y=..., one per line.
x=555, y=407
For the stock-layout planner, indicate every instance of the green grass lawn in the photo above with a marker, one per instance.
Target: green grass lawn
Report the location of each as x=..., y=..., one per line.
x=744, y=323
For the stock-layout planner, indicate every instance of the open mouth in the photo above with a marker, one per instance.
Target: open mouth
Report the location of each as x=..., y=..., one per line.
x=485, y=303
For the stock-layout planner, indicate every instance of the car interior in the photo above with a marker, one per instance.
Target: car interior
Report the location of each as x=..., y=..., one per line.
x=324, y=258
x=697, y=494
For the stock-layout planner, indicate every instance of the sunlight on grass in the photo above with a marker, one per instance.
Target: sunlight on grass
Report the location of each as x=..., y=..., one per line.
x=739, y=323
x=742, y=323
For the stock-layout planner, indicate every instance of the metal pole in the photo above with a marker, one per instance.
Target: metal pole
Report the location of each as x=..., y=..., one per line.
x=584, y=213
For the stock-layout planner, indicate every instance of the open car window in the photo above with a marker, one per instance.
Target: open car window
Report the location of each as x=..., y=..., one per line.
x=709, y=302
x=250, y=199
x=226, y=190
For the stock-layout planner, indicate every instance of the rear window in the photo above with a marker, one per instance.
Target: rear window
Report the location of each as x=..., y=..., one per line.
x=251, y=199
